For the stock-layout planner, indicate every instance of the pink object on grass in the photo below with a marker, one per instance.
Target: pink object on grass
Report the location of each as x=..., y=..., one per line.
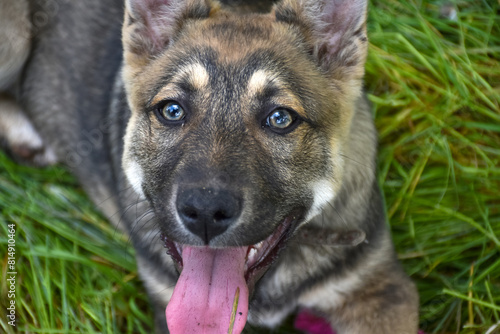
x=312, y=324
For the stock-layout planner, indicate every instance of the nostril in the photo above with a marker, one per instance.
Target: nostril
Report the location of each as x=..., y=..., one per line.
x=190, y=213
x=221, y=215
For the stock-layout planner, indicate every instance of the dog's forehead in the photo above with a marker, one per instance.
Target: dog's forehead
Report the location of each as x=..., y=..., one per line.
x=234, y=39
x=260, y=73
x=235, y=36
x=234, y=63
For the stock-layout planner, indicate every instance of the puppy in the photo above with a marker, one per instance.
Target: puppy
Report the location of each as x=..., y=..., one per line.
x=245, y=145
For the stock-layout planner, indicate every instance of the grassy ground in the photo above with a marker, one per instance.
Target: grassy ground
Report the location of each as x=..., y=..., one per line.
x=435, y=87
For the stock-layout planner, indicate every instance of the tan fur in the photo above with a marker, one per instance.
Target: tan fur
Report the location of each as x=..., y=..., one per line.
x=258, y=81
x=197, y=74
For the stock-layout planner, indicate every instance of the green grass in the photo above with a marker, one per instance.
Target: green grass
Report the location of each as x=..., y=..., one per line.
x=436, y=93
x=435, y=88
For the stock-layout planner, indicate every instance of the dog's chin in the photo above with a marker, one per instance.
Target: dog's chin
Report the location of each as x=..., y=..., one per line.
x=259, y=256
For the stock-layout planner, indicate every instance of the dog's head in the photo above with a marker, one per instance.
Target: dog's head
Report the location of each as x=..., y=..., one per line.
x=239, y=122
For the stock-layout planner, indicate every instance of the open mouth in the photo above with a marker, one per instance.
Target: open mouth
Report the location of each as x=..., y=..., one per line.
x=259, y=256
x=212, y=293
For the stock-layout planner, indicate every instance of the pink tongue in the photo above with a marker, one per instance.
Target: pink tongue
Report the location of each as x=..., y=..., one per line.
x=204, y=295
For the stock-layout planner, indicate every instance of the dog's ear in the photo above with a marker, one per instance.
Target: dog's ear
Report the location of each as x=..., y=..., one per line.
x=335, y=31
x=151, y=25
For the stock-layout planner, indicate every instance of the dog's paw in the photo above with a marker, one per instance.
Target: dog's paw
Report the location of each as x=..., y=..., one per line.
x=20, y=139
x=39, y=156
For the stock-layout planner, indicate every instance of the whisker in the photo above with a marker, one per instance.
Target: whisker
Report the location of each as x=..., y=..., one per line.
x=139, y=220
x=338, y=214
x=123, y=213
x=113, y=196
x=359, y=163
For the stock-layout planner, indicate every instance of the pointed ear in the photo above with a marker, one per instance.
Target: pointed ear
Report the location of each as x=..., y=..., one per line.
x=150, y=25
x=335, y=30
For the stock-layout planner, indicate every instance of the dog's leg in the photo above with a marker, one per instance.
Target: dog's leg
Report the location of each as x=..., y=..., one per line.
x=17, y=134
x=380, y=302
x=385, y=305
x=372, y=295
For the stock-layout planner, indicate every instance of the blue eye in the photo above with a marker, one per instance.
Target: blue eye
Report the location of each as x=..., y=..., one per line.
x=281, y=120
x=173, y=112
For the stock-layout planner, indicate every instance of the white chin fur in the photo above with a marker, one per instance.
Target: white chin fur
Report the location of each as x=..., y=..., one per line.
x=323, y=194
x=135, y=176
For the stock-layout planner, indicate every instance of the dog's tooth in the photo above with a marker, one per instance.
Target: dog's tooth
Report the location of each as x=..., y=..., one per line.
x=252, y=253
x=179, y=248
x=259, y=245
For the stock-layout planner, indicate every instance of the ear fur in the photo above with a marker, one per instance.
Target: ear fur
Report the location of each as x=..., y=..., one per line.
x=336, y=30
x=150, y=25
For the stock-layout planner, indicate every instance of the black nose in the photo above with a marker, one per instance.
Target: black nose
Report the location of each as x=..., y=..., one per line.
x=208, y=212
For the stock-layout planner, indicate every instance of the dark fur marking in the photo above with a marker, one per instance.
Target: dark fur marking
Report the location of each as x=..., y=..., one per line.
x=197, y=12
x=130, y=20
x=361, y=34
x=288, y=15
x=390, y=295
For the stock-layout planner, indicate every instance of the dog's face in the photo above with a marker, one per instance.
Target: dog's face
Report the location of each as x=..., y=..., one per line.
x=238, y=121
